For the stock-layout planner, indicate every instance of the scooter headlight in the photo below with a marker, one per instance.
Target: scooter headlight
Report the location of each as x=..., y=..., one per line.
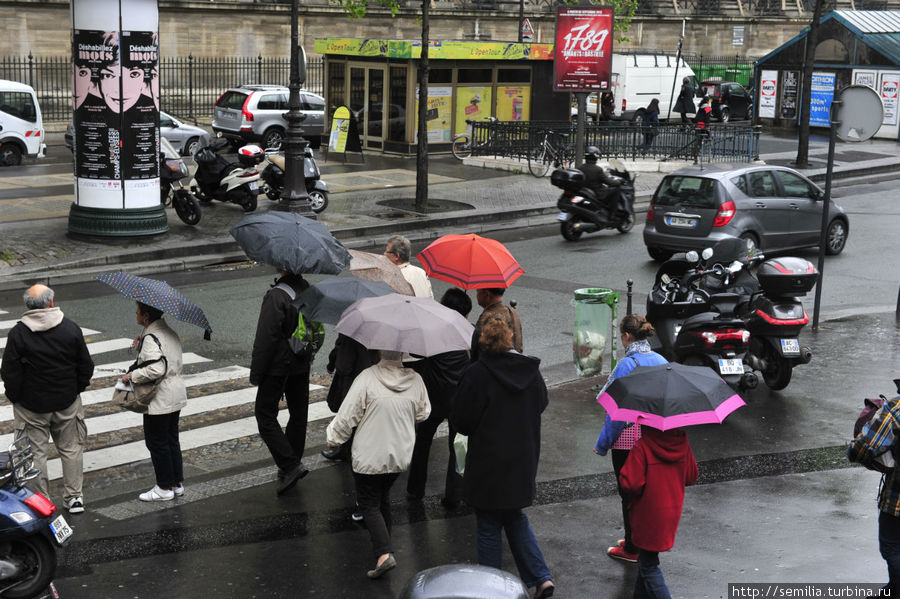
x=21, y=517
x=577, y=199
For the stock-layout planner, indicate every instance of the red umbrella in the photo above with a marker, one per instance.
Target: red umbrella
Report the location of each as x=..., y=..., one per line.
x=470, y=261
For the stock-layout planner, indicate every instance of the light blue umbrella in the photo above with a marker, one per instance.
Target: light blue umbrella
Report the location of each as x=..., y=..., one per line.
x=159, y=295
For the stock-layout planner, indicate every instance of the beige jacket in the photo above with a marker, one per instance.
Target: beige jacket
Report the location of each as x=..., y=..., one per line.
x=171, y=395
x=417, y=279
x=384, y=403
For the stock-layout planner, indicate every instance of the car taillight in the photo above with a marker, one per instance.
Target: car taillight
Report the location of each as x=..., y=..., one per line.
x=41, y=505
x=650, y=212
x=724, y=214
x=246, y=114
x=624, y=104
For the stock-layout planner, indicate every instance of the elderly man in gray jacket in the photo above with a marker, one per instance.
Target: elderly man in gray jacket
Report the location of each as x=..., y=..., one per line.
x=46, y=365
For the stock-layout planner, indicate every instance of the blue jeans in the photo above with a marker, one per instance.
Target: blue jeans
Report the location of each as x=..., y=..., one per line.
x=650, y=583
x=526, y=553
x=889, y=545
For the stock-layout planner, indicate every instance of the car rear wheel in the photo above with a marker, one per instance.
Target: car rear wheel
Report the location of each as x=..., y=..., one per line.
x=10, y=155
x=638, y=117
x=724, y=115
x=659, y=254
x=835, y=237
x=272, y=139
x=191, y=146
x=752, y=241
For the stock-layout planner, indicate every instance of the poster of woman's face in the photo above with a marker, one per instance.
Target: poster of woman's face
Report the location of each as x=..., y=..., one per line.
x=140, y=62
x=92, y=52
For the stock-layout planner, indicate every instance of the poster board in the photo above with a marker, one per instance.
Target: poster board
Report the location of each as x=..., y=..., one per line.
x=514, y=102
x=438, y=114
x=473, y=103
x=887, y=89
x=821, y=94
x=768, y=94
x=583, y=50
x=340, y=128
x=790, y=85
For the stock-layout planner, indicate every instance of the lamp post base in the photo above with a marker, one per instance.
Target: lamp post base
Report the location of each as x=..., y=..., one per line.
x=117, y=222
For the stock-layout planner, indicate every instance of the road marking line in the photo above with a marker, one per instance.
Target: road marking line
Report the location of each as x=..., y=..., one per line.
x=100, y=347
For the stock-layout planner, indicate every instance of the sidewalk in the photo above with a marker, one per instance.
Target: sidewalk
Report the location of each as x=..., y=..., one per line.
x=485, y=194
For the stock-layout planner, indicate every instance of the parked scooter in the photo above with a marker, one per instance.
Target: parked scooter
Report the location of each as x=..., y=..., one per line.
x=171, y=171
x=698, y=328
x=30, y=527
x=582, y=211
x=218, y=179
x=273, y=178
x=768, y=305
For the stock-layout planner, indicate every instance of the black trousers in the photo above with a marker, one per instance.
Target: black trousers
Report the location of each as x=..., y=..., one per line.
x=161, y=437
x=373, y=495
x=287, y=445
x=418, y=468
x=618, y=459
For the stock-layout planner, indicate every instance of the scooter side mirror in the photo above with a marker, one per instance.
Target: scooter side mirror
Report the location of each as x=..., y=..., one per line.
x=692, y=256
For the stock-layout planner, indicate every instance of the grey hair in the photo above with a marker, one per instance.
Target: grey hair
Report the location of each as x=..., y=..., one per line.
x=38, y=302
x=399, y=246
x=393, y=356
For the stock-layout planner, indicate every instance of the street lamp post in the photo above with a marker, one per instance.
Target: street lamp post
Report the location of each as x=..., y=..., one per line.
x=294, y=197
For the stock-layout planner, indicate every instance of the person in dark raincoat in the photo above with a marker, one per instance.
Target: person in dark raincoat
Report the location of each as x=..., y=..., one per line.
x=685, y=102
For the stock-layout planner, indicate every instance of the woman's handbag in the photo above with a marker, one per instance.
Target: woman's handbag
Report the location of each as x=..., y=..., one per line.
x=137, y=398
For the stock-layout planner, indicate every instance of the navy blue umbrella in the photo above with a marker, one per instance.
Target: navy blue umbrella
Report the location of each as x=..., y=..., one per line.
x=326, y=300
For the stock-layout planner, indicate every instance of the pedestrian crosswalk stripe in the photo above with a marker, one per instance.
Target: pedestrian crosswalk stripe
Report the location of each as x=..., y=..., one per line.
x=100, y=347
x=84, y=332
x=127, y=453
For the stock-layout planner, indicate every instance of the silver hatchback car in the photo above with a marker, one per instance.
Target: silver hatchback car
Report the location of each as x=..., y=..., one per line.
x=775, y=208
x=255, y=114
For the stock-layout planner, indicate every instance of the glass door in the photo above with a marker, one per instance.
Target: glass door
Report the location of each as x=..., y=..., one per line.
x=375, y=113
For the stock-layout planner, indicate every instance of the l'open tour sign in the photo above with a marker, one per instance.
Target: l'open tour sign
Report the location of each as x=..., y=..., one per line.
x=583, y=51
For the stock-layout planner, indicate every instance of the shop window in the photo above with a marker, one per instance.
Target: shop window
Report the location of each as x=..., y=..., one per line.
x=474, y=76
x=440, y=75
x=832, y=51
x=397, y=114
x=336, y=86
x=513, y=75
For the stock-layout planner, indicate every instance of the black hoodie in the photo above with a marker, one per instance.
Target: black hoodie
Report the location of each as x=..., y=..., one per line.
x=498, y=404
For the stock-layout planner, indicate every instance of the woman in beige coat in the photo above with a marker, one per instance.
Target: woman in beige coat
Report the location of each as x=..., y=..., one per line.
x=160, y=359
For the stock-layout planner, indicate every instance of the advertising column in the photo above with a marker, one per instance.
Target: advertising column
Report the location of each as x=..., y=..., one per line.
x=115, y=56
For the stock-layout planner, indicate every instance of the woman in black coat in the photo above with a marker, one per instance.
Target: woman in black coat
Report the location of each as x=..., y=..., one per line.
x=685, y=102
x=498, y=404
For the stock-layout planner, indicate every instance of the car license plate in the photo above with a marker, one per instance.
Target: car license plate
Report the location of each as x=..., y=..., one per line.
x=564, y=216
x=790, y=347
x=60, y=529
x=680, y=221
x=226, y=115
x=254, y=185
x=731, y=366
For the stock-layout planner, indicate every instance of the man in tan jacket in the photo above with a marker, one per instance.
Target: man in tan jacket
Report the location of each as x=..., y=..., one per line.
x=492, y=302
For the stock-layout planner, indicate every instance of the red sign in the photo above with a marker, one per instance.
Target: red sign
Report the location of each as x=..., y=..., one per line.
x=583, y=51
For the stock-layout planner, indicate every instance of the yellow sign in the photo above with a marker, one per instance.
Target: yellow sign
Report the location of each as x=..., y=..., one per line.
x=340, y=125
x=440, y=50
x=513, y=102
x=437, y=114
x=473, y=103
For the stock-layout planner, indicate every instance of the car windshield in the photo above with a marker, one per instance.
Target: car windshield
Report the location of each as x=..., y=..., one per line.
x=698, y=192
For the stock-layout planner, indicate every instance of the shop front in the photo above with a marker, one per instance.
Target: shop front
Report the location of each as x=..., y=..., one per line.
x=377, y=81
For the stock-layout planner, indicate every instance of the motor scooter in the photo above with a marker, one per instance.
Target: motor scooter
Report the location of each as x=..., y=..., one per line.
x=273, y=178
x=582, y=211
x=171, y=171
x=697, y=328
x=218, y=179
x=30, y=527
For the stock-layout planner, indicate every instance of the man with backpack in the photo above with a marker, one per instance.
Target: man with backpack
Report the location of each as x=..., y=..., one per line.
x=279, y=370
x=876, y=439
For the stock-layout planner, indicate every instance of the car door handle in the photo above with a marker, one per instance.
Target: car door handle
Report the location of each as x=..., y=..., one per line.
x=794, y=206
x=760, y=204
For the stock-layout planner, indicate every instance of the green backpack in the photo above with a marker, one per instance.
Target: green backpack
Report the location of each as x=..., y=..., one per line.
x=309, y=335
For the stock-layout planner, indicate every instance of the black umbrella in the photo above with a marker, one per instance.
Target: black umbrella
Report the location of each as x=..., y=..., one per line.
x=326, y=300
x=290, y=242
x=670, y=396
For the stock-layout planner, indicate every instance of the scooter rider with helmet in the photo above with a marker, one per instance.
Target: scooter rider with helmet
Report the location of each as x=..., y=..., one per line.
x=597, y=178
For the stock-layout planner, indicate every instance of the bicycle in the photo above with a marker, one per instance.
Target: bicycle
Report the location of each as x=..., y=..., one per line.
x=547, y=152
x=463, y=143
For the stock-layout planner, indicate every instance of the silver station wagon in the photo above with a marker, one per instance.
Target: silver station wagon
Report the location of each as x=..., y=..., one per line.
x=775, y=208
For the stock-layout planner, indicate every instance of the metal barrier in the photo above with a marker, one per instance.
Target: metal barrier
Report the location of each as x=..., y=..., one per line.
x=615, y=139
x=189, y=86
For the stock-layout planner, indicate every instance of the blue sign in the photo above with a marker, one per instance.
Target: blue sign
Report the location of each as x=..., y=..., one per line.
x=820, y=96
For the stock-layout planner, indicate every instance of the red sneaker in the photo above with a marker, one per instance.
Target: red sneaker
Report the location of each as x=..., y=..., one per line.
x=619, y=553
x=620, y=542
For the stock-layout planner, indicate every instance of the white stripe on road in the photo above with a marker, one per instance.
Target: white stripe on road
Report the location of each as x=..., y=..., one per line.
x=84, y=332
x=101, y=347
x=136, y=451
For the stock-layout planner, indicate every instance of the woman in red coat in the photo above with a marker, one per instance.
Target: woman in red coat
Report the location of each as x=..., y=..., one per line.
x=658, y=468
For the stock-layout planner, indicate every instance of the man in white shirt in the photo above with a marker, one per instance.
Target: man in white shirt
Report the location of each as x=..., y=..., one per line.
x=397, y=251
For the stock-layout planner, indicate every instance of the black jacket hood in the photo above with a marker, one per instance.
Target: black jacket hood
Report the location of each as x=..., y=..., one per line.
x=512, y=369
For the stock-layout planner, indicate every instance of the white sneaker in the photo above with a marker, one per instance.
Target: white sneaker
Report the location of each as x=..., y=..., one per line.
x=157, y=494
x=75, y=505
x=179, y=490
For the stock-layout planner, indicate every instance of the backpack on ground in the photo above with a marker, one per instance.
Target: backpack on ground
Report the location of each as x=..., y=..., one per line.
x=309, y=336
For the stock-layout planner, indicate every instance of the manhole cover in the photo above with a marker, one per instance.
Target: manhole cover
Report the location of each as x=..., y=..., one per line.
x=431, y=206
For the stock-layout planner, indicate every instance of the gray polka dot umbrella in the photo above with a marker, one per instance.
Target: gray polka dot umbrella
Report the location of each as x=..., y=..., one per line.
x=159, y=295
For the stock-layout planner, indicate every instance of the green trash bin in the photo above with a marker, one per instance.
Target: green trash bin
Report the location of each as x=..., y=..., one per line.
x=594, y=338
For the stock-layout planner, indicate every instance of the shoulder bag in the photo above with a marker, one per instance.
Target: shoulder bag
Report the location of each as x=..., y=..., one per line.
x=139, y=397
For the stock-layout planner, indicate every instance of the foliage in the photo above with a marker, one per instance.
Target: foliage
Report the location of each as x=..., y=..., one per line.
x=357, y=9
x=623, y=11
x=6, y=256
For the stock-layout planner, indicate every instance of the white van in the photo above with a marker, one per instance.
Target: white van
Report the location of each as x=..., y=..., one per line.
x=637, y=78
x=21, y=125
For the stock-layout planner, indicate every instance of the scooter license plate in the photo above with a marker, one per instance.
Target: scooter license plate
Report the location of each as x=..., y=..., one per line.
x=790, y=347
x=731, y=366
x=253, y=185
x=61, y=529
x=564, y=216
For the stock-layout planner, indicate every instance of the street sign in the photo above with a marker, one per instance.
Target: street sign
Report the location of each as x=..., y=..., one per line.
x=527, y=31
x=583, y=51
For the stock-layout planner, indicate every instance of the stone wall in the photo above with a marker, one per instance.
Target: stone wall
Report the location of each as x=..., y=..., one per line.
x=42, y=27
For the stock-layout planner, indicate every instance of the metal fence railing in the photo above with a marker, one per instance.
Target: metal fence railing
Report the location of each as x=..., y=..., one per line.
x=189, y=86
x=725, y=143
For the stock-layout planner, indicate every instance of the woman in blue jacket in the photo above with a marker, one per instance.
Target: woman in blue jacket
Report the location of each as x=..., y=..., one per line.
x=621, y=436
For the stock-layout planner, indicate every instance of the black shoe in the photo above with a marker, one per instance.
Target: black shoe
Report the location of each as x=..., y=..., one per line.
x=290, y=478
x=332, y=454
x=386, y=565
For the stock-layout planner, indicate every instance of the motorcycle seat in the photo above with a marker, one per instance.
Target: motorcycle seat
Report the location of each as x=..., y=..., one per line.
x=277, y=160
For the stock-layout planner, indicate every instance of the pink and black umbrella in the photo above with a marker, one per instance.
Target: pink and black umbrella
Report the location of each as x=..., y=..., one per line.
x=670, y=396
